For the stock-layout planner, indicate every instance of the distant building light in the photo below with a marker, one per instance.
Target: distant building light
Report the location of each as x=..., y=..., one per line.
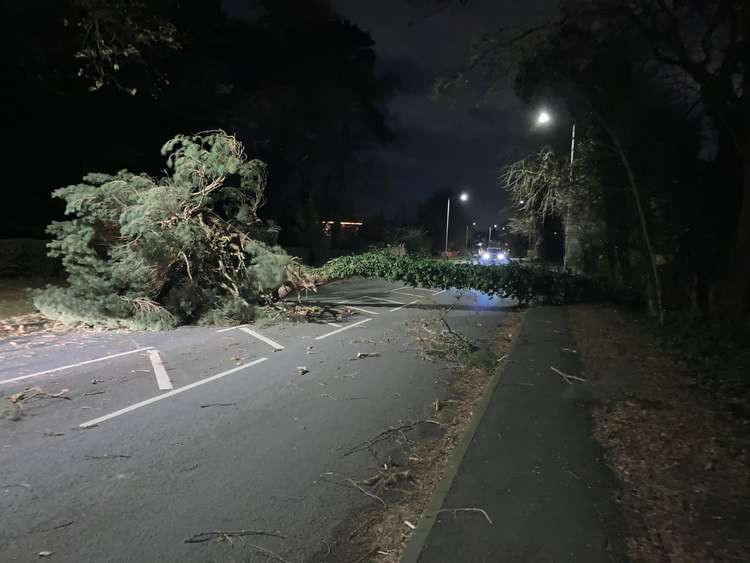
x=352, y=225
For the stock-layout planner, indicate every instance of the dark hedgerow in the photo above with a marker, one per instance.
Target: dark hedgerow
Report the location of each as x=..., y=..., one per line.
x=522, y=282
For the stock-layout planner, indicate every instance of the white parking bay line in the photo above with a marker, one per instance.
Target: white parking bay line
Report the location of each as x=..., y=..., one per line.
x=360, y=309
x=275, y=345
x=347, y=327
x=410, y=294
x=405, y=305
x=78, y=364
x=334, y=324
x=384, y=300
x=230, y=328
x=131, y=408
x=162, y=379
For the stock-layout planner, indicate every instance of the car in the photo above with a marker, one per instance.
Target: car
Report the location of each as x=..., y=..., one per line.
x=493, y=256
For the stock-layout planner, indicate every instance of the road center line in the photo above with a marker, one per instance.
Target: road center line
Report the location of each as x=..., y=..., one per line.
x=275, y=345
x=406, y=305
x=162, y=378
x=78, y=364
x=131, y=408
x=347, y=327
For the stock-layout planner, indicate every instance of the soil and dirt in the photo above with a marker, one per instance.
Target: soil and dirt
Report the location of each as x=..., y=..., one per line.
x=412, y=459
x=682, y=455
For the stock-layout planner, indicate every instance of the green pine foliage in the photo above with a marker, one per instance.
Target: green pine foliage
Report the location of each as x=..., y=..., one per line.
x=524, y=283
x=149, y=253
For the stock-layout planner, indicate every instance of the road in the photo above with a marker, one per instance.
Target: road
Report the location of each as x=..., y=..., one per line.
x=167, y=435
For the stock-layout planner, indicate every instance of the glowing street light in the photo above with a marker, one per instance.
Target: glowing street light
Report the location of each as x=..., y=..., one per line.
x=543, y=118
x=463, y=197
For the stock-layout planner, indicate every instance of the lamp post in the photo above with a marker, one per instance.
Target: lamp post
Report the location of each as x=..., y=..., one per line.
x=462, y=197
x=544, y=119
x=489, y=234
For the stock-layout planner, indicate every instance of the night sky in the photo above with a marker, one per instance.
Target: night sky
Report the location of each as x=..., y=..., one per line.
x=439, y=143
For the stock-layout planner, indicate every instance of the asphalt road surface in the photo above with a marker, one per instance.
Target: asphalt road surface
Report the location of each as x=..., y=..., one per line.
x=167, y=435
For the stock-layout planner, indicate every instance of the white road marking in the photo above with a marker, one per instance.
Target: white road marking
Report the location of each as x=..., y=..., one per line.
x=410, y=287
x=347, y=327
x=162, y=378
x=384, y=300
x=131, y=408
x=230, y=328
x=19, y=378
x=334, y=324
x=439, y=292
x=275, y=345
x=405, y=305
x=411, y=294
x=360, y=309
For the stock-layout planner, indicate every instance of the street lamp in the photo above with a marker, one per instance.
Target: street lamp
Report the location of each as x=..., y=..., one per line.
x=543, y=118
x=489, y=235
x=462, y=197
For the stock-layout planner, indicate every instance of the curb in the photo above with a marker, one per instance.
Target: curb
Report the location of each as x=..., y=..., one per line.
x=429, y=516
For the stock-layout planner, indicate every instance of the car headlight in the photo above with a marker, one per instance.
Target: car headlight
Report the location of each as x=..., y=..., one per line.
x=486, y=256
x=501, y=256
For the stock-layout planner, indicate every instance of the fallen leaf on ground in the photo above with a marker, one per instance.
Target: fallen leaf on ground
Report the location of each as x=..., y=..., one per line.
x=367, y=355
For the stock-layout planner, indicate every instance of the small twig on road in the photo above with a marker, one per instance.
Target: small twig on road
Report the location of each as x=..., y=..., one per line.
x=107, y=456
x=367, y=493
x=326, y=395
x=385, y=435
x=480, y=510
x=225, y=535
x=93, y=393
x=567, y=378
x=63, y=525
x=218, y=405
x=52, y=434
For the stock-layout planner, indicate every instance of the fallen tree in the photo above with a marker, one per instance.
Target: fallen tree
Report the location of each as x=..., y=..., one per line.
x=151, y=253
x=523, y=282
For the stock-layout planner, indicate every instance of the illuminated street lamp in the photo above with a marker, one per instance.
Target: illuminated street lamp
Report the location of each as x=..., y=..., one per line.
x=543, y=118
x=464, y=197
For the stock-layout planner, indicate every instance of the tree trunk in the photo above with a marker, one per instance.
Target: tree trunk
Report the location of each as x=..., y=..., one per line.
x=658, y=304
x=736, y=286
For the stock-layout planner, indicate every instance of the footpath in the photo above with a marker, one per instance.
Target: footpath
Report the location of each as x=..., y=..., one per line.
x=528, y=483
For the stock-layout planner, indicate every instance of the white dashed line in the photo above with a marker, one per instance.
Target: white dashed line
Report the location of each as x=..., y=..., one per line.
x=45, y=372
x=162, y=378
x=131, y=408
x=275, y=345
x=347, y=327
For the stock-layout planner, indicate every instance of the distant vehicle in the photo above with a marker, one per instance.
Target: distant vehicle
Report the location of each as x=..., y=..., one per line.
x=493, y=256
